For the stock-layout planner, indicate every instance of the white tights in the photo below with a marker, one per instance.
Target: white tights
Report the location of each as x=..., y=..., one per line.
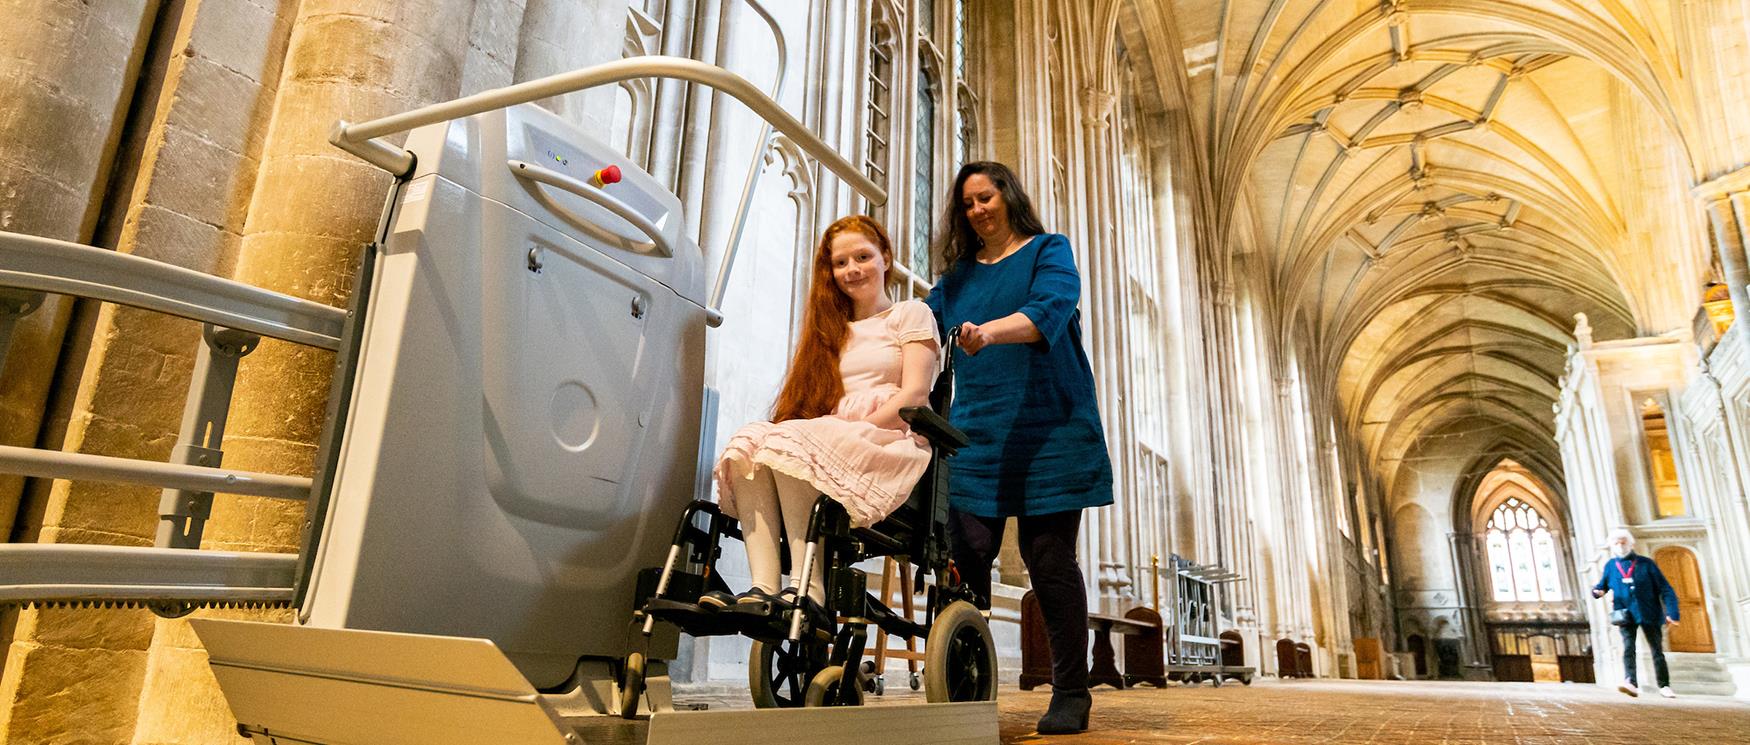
x=764, y=500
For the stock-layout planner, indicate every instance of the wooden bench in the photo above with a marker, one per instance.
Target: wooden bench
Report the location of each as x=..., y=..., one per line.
x=1144, y=660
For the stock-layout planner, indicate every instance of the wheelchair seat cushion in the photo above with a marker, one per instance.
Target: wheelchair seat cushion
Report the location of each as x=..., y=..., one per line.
x=869, y=469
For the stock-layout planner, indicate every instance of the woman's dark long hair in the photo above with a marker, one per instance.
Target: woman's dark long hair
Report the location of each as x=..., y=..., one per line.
x=959, y=241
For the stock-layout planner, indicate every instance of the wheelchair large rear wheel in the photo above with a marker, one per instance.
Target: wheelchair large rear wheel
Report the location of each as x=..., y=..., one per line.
x=778, y=673
x=960, y=657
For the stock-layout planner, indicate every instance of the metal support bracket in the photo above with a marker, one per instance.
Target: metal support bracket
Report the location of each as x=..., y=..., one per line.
x=14, y=305
x=183, y=513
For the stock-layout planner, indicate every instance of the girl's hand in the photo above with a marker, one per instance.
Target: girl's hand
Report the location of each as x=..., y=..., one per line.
x=973, y=337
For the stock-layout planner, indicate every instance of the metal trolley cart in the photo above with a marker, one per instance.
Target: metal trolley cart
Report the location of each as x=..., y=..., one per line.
x=512, y=431
x=1194, y=647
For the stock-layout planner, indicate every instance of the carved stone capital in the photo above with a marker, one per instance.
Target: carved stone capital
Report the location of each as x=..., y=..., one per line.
x=1097, y=105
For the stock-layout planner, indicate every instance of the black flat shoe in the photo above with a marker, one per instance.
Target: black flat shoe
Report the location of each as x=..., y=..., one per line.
x=716, y=600
x=757, y=602
x=1067, y=714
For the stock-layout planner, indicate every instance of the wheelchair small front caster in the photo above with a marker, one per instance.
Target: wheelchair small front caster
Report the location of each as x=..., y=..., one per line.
x=872, y=682
x=827, y=688
x=880, y=685
x=916, y=681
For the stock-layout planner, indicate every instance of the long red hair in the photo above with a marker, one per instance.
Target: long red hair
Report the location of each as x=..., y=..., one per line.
x=813, y=387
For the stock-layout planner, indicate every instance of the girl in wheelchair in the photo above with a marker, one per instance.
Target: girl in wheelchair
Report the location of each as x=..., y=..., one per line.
x=836, y=429
x=852, y=466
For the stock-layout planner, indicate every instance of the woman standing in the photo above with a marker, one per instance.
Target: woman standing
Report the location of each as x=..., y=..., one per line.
x=1024, y=394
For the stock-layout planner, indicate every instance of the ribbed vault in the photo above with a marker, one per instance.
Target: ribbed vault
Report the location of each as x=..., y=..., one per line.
x=1441, y=185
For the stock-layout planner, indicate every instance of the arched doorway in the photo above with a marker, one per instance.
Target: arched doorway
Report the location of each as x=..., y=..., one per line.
x=1694, y=632
x=1418, y=654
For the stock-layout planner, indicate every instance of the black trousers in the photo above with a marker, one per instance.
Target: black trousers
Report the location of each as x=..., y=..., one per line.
x=1655, y=636
x=1048, y=546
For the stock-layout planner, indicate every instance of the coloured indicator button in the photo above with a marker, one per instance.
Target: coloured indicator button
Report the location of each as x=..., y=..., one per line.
x=605, y=176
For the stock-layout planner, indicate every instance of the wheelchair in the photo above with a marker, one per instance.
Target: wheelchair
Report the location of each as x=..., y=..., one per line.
x=802, y=658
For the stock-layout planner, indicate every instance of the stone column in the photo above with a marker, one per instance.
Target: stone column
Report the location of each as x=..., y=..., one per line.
x=1290, y=589
x=1231, y=544
x=547, y=44
x=1462, y=548
x=1336, y=563
x=1106, y=317
x=1726, y=217
x=67, y=74
x=299, y=239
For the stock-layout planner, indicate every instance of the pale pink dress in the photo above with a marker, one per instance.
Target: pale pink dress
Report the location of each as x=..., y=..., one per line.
x=869, y=469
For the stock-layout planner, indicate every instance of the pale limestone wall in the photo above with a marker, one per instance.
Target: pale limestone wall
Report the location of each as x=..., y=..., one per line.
x=224, y=74
x=66, y=71
x=1714, y=42
x=78, y=676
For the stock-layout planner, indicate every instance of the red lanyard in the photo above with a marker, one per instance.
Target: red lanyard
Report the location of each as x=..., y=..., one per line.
x=1629, y=572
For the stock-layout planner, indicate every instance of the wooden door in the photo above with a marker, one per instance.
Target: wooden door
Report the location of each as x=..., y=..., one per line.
x=1693, y=633
x=1367, y=662
x=1513, y=668
x=1576, y=668
x=1545, y=666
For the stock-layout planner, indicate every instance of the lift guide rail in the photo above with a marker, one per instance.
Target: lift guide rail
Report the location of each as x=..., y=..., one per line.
x=512, y=430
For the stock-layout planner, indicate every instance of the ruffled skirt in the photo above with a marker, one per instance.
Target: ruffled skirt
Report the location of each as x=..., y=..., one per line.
x=870, y=470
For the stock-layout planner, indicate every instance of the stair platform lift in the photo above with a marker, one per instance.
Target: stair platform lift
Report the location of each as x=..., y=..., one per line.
x=512, y=429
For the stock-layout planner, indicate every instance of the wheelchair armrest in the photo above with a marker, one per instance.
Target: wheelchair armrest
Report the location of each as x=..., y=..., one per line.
x=925, y=421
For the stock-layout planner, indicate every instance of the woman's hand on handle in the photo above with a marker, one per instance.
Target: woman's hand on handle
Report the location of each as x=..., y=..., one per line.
x=1015, y=328
x=972, y=337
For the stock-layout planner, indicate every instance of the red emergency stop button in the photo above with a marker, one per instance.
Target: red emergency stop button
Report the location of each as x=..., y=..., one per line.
x=605, y=176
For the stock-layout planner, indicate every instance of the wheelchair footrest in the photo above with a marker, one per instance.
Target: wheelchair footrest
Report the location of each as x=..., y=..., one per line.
x=692, y=619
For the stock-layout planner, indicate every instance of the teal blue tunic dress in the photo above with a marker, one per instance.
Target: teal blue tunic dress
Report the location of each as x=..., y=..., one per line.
x=1029, y=409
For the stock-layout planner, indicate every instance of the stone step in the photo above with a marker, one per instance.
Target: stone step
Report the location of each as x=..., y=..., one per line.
x=1697, y=673
x=1692, y=688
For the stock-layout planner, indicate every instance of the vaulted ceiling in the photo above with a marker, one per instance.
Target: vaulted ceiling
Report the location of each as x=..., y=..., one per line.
x=1437, y=187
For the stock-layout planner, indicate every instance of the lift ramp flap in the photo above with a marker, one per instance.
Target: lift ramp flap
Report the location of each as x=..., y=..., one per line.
x=346, y=687
x=294, y=685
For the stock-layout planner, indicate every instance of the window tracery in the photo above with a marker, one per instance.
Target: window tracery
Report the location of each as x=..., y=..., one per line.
x=1522, y=555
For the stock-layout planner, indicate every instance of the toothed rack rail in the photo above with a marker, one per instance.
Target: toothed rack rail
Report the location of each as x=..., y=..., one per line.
x=168, y=578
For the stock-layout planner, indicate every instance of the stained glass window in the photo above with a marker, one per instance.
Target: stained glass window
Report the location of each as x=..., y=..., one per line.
x=1522, y=555
x=923, y=175
x=1498, y=574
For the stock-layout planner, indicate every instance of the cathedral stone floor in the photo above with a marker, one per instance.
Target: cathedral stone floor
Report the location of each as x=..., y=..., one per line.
x=1418, y=713
x=1351, y=712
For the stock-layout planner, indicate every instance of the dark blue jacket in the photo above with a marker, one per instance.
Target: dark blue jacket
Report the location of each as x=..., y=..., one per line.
x=1645, y=594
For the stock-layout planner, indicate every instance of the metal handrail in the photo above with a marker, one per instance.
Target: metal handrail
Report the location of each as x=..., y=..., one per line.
x=361, y=139
x=743, y=208
x=47, y=265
